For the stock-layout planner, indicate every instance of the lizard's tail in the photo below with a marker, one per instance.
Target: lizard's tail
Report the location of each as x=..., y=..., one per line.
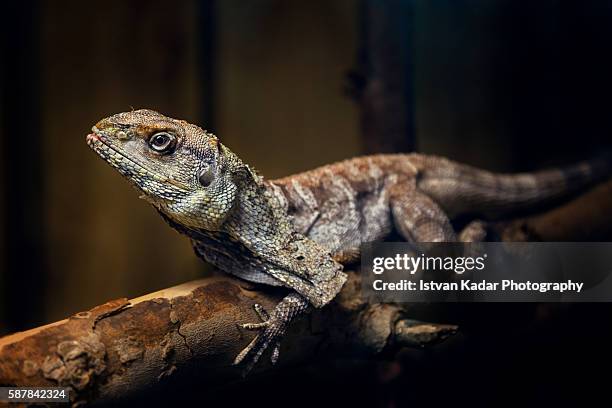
x=461, y=189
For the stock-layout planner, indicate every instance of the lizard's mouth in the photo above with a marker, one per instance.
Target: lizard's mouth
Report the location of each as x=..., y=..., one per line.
x=130, y=168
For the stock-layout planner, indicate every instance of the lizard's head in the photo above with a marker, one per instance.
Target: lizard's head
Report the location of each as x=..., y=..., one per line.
x=185, y=172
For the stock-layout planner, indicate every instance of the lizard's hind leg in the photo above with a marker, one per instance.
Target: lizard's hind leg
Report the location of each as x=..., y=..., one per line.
x=418, y=218
x=475, y=231
x=272, y=329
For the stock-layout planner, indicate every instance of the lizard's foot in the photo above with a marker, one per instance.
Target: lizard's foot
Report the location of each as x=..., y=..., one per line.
x=261, y=342
x=272, y=328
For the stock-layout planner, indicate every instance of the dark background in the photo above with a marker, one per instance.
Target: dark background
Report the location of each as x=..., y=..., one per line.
x=505, y=85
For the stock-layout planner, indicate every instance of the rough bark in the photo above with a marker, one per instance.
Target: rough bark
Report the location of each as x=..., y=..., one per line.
x=126, y=346
x=588, y=217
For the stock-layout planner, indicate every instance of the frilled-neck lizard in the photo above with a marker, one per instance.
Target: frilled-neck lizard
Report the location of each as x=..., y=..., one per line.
x=297, y=232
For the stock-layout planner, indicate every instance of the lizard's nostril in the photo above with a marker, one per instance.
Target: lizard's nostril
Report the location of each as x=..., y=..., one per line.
x=122, y=135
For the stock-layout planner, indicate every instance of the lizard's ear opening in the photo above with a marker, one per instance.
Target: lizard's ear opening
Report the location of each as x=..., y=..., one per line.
x=206, y=176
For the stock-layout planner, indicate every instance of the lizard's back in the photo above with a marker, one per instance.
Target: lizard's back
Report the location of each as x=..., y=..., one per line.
x=344, y=204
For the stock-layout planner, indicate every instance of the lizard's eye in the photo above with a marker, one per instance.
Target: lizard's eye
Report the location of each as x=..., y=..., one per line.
x=206, y=176
x=162, y=142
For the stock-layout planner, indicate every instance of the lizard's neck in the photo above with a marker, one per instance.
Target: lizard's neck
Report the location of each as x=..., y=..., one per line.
x=257, y=216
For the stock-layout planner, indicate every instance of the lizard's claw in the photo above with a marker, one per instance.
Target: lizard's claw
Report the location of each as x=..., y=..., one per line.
x=271, y=330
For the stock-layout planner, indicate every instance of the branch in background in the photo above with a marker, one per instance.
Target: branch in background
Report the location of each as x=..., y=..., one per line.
x=382, y=80
x=123, y=347
x=586, y=218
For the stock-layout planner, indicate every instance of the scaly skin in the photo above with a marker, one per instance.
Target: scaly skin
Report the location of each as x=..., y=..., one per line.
x=297, y=231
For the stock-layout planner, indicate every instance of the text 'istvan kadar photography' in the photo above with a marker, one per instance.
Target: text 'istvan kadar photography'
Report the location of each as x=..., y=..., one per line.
x=345, y=203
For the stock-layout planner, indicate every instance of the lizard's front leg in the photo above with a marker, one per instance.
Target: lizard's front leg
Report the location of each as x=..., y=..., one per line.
x=272, y=329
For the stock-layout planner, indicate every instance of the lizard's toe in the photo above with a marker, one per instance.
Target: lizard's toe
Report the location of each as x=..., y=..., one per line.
x=275, y=352
x=254, y=326
x=271, y=330
x=242, y=355
x=269, y=333
x=261, y=312
x=251, y=353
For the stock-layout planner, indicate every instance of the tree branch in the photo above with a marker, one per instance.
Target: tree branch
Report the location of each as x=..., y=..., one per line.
x=122, y=346
x=125, y=346
x=587, y=217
